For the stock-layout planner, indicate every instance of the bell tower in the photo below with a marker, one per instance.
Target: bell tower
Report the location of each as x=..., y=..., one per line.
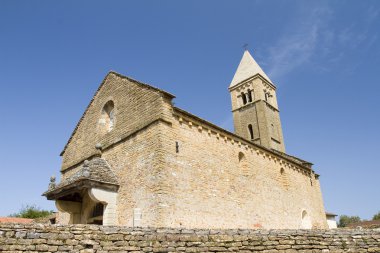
x=254, y=105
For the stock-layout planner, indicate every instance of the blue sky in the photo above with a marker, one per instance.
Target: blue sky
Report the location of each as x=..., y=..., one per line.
x=323, y=56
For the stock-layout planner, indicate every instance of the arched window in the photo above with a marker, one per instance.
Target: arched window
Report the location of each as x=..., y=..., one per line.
x=241, y=157
x=305, y=220
x=283, y=178
x=250, y=129
x=108, y=116
x=244, y=98
x=243, y=165
x=249, y=94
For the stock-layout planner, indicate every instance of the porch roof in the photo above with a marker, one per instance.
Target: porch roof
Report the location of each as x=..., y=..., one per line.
x=95, y=173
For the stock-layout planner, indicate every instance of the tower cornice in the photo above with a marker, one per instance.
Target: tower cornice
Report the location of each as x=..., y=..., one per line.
x=253, y=103
x=258, y=75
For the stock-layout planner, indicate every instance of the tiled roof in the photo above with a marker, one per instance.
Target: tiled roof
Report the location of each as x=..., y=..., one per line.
x=365, y=224
x=46, y=219
x=15, y=220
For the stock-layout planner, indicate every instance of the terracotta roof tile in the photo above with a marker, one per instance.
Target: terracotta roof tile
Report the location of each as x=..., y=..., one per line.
x=15, y=220
x=366, y=224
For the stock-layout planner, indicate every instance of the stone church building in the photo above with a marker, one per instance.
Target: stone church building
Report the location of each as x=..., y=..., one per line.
x=135, y=159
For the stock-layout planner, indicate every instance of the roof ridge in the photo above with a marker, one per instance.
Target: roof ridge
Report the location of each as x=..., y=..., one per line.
x=142, y=83
x=287, y=157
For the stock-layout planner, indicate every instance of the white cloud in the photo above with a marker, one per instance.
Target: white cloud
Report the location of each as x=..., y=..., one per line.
x=292, y=52
x=314, y=36
x=298, y=43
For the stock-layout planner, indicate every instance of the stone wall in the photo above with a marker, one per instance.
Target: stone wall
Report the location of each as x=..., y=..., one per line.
x=261, y=113
x=206, y=181
x=99, y=239
x=137, y=163
x=132, y=148
x=136, y=106
x=180, y=171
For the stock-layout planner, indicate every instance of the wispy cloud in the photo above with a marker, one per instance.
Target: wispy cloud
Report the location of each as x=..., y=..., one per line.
x=298, y=43
x=292, y=52
x=314, y=38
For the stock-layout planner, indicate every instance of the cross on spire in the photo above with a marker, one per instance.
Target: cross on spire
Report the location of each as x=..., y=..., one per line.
x=245, y=46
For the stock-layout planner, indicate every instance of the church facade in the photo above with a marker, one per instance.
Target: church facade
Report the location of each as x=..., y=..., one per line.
x=134, y=159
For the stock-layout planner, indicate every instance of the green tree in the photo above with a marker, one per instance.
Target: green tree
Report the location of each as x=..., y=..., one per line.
x=345, y=220
x=31, y=212
x=376, y=216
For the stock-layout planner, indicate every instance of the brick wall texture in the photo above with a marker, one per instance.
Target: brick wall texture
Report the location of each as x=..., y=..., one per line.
x=98, y=239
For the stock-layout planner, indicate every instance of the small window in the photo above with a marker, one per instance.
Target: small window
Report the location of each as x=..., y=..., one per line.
x=267, y=96
x=244, y=98
x=305, y=220
x=241, y=157
x=283, y=179
x=250, y=129
x=108, y=116
x=243, y=164
x=249, y=94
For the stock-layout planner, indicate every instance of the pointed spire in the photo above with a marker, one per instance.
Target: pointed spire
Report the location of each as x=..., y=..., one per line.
x=248, y=67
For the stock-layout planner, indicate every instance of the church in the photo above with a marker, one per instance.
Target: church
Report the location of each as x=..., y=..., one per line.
x=135, y=159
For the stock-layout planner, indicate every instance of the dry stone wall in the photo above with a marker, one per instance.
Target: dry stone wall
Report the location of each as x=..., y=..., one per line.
x=99, y=239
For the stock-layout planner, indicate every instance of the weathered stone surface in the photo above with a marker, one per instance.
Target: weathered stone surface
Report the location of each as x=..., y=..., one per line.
x=24, y=239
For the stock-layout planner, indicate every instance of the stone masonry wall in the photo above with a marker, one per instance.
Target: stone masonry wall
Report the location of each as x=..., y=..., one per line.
x=91, y=238
x=261, y=114
x=135, y=107
x=136, y=162
x=207, y=182
x=132, y=148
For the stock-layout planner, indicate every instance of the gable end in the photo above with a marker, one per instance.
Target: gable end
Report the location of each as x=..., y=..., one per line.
x=144, y=85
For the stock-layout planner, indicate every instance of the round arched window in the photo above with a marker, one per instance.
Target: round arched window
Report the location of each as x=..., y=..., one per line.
x=283, y=178
x=305, y=220
x=243, y=164
x=108, y=116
